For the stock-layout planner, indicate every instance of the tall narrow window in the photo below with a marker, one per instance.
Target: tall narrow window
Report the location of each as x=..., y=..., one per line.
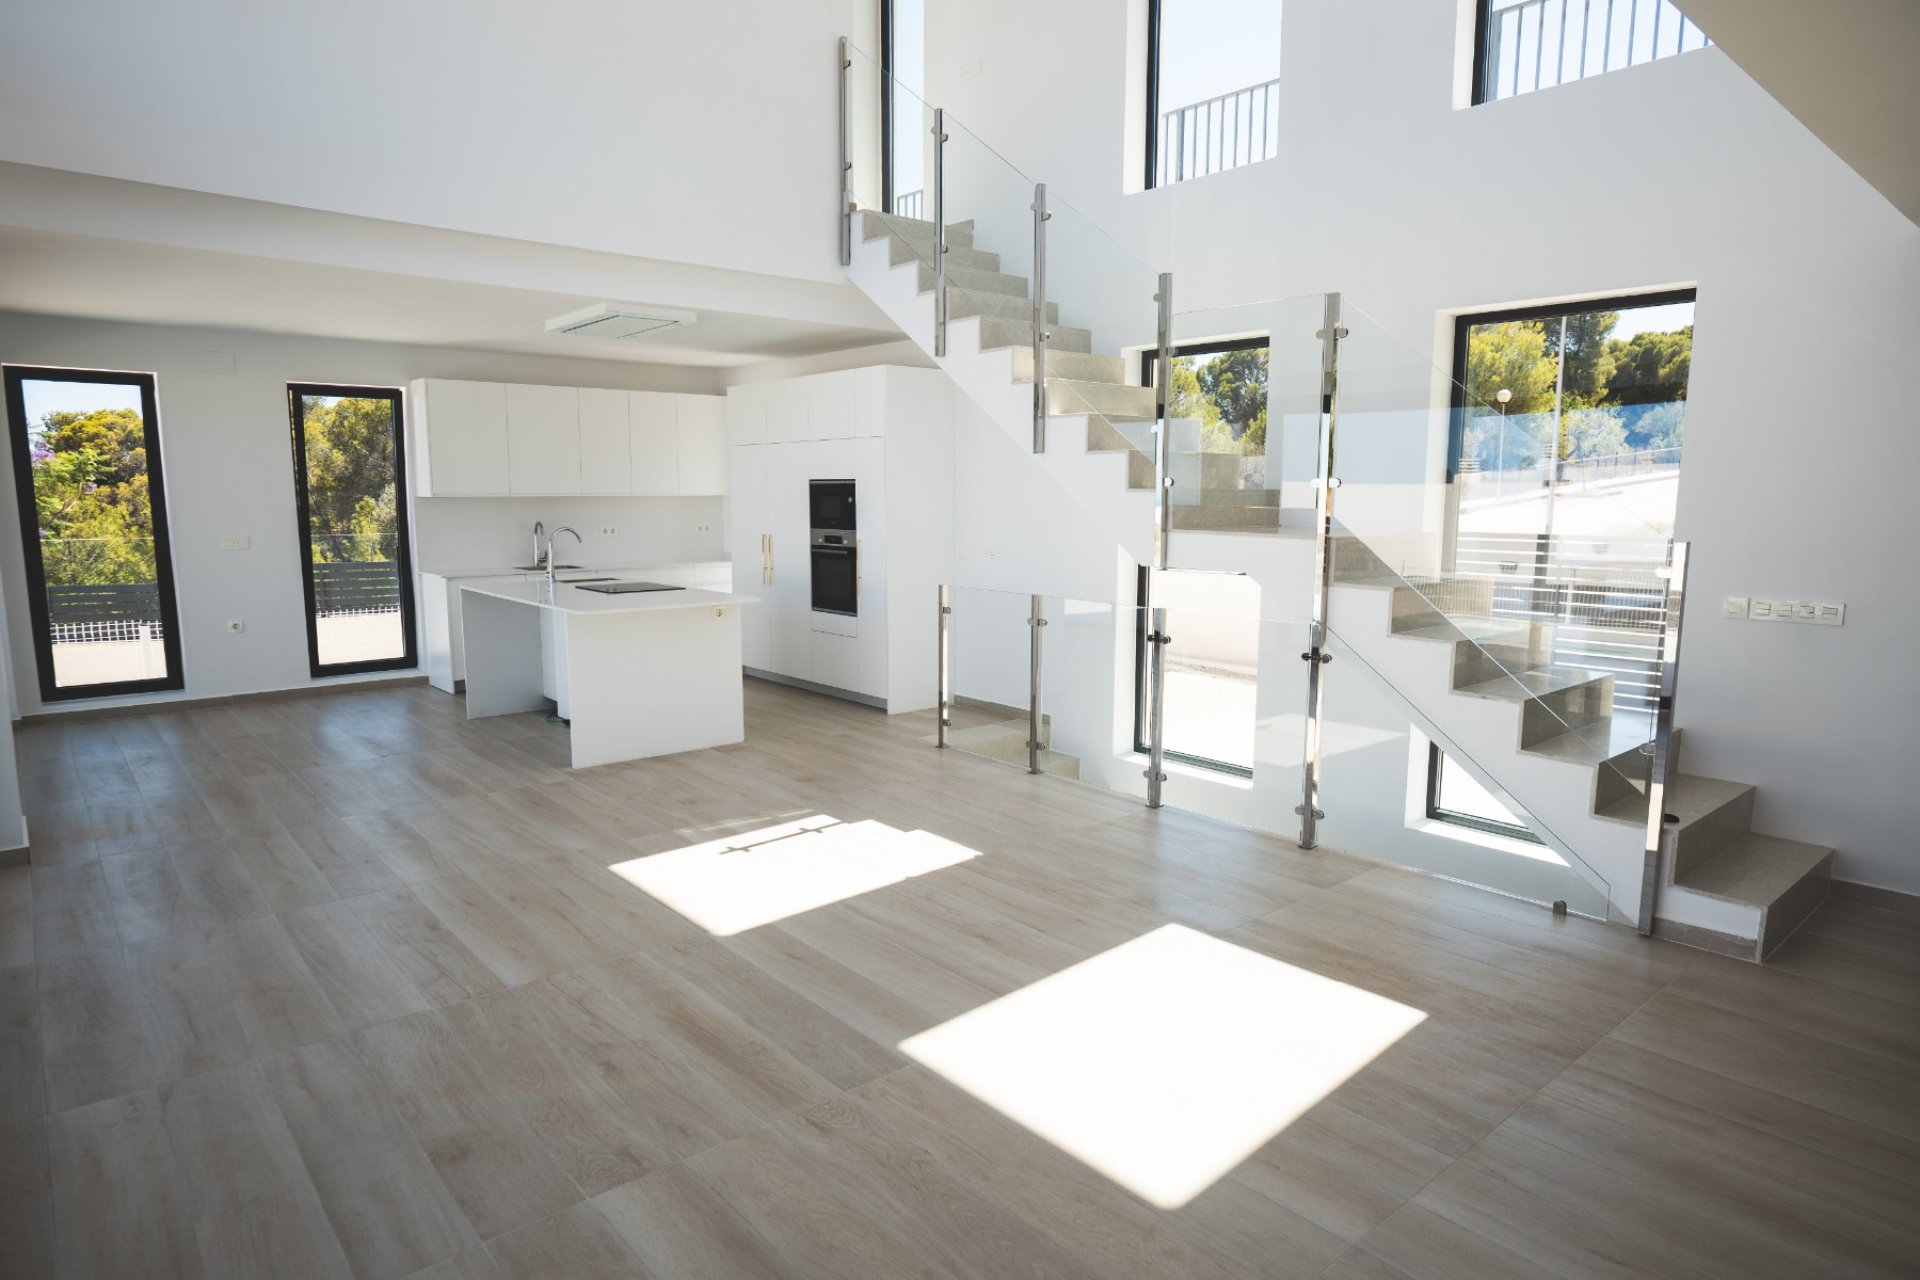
x=93, y=521
x=1213, y=86
x=1212, y=668
x=903, y=58
x=1524, y=45
x=349, y=467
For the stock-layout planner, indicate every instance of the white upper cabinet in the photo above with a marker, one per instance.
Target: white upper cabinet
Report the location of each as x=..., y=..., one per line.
x=543, y=439
x=497, y=440
x=460, y=437
x=656, y=443
x=702, y=439
x=832, y=409
x=606, y=446
x=787, y=412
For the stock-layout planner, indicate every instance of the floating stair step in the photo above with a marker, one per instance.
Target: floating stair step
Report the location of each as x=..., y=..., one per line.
x=1115, y=401
x=960, y=279
x=874, y=224
x=1078, y=365
x=1786, y=879
x=1552, y=701
x=1527, y=686
x=996, y=331
x=900, y=249
x=1007, y=306
x=1712, y=813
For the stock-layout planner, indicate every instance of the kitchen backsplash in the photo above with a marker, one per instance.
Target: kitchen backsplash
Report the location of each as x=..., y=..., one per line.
x=462, y=533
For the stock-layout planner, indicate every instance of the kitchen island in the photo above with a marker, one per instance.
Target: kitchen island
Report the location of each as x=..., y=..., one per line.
x=637, y=675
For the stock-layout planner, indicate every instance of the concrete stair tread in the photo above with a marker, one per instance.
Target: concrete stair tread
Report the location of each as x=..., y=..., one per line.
x=1525, y=686
x=1689, y=797
x=1755, y=869
x=1003, y=331
x=874, y=224
x=1225, y=516
x=1594, y=743
x=1482, y=631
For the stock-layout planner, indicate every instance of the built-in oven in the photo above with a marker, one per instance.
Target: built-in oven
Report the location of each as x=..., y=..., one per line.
x=836, y=572
x=831, y=505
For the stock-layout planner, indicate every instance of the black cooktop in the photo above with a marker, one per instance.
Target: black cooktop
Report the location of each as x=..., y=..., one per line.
x=625, y=588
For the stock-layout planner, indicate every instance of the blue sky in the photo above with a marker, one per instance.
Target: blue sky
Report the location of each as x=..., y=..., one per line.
x=41, y=398
x=1210, y=47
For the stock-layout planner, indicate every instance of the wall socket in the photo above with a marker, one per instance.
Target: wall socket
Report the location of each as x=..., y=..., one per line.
x=236, y=625
x=607, y=531
x=703, y=528
x=236, y=542
x=1768, y=609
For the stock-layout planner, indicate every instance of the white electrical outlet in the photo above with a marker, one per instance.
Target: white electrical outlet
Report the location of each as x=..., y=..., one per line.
x=1760, y=610
x=236, y=542
x=1831, y=615
x=1735, y=607
x=607, y=531
x=703, y=528
x=236, y=625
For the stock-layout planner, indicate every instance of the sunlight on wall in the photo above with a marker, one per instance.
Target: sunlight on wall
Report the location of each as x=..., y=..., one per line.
x=1168, y=1060
x=756, y=877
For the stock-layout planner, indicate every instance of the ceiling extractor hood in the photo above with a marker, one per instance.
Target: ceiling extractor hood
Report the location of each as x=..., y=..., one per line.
x=619, y=320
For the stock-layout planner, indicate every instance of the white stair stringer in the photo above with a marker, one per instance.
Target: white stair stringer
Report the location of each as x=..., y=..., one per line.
x=1096, y=481
x=1559, y=793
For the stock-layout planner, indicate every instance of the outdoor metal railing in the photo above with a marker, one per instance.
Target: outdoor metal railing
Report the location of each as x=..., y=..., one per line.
x=1537, y=44
x=911, y=204
x=1220, y=133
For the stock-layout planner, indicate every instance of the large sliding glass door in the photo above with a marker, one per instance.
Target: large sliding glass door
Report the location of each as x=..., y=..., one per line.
x=349, y=466
x=93, y=520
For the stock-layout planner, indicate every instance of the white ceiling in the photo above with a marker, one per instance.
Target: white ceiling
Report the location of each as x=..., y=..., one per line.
x=54, y=273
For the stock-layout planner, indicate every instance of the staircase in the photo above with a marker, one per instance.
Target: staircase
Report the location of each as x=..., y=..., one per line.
x=1546, y=732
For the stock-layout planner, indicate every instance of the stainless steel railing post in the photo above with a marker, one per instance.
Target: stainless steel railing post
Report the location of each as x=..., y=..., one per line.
x=1036, y=619
x=1658, y=767
x=1163, y=438
x=940, y=232
x=945, y=664
x=1157, y=641
x=846, y=163
x=1040, y=334
x=1316, y=655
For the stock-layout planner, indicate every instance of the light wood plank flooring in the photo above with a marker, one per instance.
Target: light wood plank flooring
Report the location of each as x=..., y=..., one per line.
x=345, y=986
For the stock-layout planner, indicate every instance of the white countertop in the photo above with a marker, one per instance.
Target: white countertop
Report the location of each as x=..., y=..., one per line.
x=569, y=599
x=624, y=566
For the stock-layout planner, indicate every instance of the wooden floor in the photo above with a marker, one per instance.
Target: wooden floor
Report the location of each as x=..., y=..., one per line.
x=345, y=986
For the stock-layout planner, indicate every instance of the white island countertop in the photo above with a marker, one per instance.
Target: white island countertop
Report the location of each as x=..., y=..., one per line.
x=576, y=570
x=567, y=598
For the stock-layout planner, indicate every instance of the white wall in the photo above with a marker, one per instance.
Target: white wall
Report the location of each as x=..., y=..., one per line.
x=229, y=470
x=1801, y=450
x=470, y=533
x=675, y=129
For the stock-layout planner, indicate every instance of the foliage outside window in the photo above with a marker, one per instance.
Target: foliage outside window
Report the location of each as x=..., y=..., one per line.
x=93, y=521
x=1222, y=386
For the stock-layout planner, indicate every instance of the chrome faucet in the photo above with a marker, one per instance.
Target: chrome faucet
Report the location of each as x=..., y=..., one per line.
x=539, y=530
x=550, y=537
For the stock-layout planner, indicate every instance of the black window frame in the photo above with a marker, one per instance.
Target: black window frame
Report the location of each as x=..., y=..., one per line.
x=403, y=539
x=1464, y=322
x=1210, y=347
x=1153, y=94
x=1438, y=813
x=34, y=563
x=886, y=106
x=1482, y=11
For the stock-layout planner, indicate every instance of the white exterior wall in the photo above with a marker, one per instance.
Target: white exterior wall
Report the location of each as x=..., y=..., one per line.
x=1801, y=452
x=229, y=470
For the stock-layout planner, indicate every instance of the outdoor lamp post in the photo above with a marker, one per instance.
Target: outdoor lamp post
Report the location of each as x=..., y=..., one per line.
x=1503, y=395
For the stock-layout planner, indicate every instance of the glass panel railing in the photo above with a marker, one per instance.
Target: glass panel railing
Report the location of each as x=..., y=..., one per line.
x=1535, y=617
x=1234, y=730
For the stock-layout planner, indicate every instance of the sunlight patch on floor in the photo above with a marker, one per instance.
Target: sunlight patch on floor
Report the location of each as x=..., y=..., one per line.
x=1168, y=1060
x=753, y=878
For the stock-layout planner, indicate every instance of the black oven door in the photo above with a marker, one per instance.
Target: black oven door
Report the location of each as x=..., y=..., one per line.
x=836, y=580
x=831, y=503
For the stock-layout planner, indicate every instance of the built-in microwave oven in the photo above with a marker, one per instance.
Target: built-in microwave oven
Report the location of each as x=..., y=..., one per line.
x=831, y=505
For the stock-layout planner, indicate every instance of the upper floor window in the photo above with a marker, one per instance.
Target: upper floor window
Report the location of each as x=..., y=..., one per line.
x=1523, y=45
x=1213, y=86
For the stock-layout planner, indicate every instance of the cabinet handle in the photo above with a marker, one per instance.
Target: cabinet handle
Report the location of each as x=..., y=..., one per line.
x=858, y=574
x=769, y=559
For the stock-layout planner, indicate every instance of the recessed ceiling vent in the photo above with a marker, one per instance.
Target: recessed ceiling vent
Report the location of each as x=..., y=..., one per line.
x=619, y=320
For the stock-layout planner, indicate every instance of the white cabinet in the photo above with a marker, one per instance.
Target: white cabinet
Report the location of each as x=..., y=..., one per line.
x=606, y=446
x=702, y=440
x=656, y=444
x=889, y=430
x=459, y=437
x=543, y=439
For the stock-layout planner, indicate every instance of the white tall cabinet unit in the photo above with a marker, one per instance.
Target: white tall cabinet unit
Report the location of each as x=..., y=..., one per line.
x=889, y=430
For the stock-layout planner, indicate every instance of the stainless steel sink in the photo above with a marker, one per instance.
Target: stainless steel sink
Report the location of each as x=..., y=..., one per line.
x=572, y=581
x=540, y=568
